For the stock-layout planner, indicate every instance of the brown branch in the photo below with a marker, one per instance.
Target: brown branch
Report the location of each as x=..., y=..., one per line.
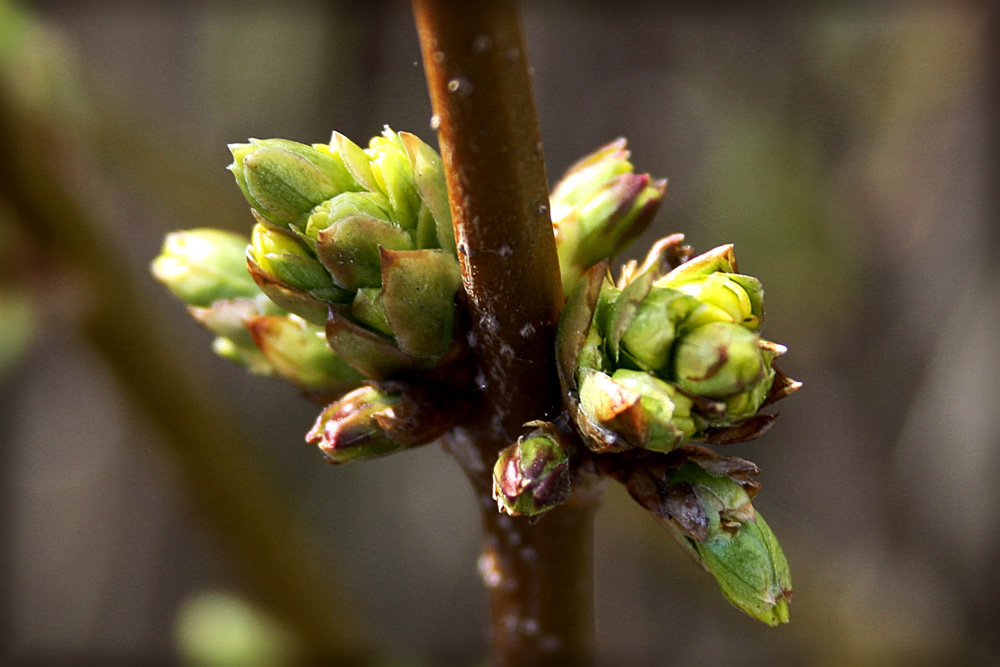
x=538, y=575
x=477, y=73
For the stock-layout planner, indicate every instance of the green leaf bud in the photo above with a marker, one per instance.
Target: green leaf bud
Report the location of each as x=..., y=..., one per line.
x=532, y=476
x=644, y=411
x=282, y=255
x=358, y=241
x=705, y=501
x=377, y=420
x=283, y=180
x=691, y=330
x=348, y=204
x=599, y=207
x=728, y=296
x=721, y=360
x=738, y=548
x=285, y=270
x=751, y=570
x=201, y=266
x=227, y=320
x=726, y=300
x=298, y=352
x=390, y=167
x=648, y=340
x=428, y=177
x=367, y=309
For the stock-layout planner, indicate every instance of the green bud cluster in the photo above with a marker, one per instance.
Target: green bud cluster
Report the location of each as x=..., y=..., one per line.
x=358, y=241
x=348, y=288
x=532, y=476
x=599, y=207
x=668, y=356
x=705, y=501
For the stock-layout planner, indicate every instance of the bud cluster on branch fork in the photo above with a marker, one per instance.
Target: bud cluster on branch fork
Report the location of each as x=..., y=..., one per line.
x=349, y=287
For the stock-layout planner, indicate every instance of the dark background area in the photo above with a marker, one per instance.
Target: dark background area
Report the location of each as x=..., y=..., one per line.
x=847, y=151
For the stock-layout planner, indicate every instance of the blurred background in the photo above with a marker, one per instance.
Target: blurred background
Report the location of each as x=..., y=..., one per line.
x=161, y=506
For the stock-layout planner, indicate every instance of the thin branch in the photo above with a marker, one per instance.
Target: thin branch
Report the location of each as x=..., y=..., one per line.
x=539, y=575
x=480, y=84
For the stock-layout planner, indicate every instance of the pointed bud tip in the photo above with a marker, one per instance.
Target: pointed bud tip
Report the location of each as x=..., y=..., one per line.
x=779, y=613
x=777, y=349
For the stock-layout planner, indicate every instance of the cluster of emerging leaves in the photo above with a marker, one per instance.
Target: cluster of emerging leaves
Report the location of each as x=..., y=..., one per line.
x=349, y=287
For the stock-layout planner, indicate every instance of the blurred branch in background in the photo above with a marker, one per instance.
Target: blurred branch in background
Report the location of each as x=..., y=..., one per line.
x=47, y=124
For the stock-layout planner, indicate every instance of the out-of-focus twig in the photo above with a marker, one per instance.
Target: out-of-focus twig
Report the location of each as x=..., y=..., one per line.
x=233, y=493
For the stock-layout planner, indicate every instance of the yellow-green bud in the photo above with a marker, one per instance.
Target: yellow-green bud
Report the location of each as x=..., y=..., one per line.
x=201, y=266
x=298, y=352
x=629, y=356
x=391, y=169
x=286, y=270
x=712, y=279
x=283, y=180
x=720, y=360
x=724, y=297
x=599, y=207
x=359, y=241
x=279, y=253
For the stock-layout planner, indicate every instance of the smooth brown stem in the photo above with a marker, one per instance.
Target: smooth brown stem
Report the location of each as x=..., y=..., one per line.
x=480, y=86
x=541, y=583
x=538, y=574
